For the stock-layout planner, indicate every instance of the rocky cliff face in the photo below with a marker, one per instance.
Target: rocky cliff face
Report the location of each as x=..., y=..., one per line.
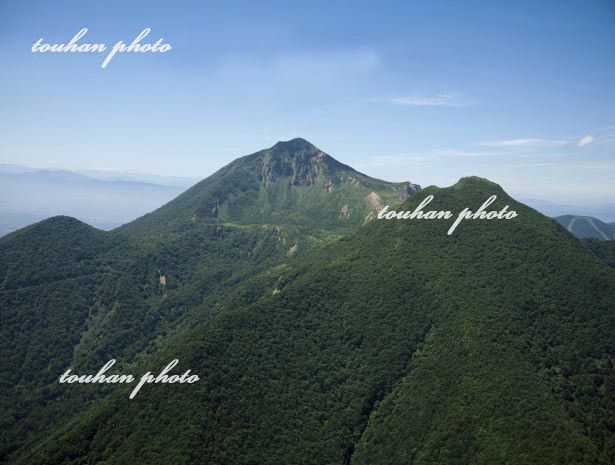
x=301, y=164
x=298, y=162
x=409, y=189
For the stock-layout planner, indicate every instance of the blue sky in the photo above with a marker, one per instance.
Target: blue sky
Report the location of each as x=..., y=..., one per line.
x=522, y=93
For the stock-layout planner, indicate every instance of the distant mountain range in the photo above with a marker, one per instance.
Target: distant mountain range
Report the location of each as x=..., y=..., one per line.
x=605, y=212
x=108, y=199
x=107, y=175
x=103, y=199
x=587, y=227
x=321, y=335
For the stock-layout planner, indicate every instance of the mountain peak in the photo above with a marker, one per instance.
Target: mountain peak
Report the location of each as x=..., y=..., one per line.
x=476, y=181
x=471, y=184
x=296, y=144
x=59, y=224
x=291, y=182
x=298, y=161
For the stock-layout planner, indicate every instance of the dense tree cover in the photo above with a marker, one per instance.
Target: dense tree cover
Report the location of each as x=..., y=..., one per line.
x=603, y=249
x=73, y=296
x=396, y=345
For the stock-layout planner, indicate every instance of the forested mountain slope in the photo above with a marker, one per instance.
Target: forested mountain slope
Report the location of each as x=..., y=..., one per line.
x=71, y=295
x=603, y=249
x=398, y=344
x=292, y=183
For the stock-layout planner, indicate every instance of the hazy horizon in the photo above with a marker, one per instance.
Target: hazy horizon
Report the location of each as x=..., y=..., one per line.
x=521, y=191
x=108, y=199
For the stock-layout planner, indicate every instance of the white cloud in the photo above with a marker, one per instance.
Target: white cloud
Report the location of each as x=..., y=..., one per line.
x=584, y=141
x=288, y=79
x=532, y=165
x=311, y=65
x=438, y=100
x=425, y=158
x=399, y=159
x=587, y=139
x=528, y=142
x=299, y=70
x=453, y=153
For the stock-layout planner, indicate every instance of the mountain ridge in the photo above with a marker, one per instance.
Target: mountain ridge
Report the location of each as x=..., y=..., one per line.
x=270, y=185
x=92, y=294
x=388, y=341
x=392, y=344
x=587, y=227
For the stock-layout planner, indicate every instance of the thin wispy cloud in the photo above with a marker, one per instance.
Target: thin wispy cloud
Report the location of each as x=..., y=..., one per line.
x=438, y=100
x=532, y=142
x=283, y=78
x=532, y=165
x=428, y=157
x=525, y=142
x=399, y=159
x=584, y=141
x=454, y=153
x=330, y=63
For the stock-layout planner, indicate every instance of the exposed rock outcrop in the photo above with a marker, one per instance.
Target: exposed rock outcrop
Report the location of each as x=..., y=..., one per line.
x=370, y=216
x=344, y=212
x=374, y=199
x=298, y=162
x=409, y=189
